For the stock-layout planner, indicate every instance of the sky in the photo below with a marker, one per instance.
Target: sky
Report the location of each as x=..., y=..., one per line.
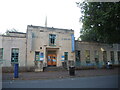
x=20, y=13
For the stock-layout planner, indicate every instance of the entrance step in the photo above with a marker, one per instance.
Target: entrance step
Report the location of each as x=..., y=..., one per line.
x=52, y=69
x=38, y=70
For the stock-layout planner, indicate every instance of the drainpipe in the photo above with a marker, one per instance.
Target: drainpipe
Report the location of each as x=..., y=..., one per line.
x=26, y=55
x=45, y=59
x=26, y=50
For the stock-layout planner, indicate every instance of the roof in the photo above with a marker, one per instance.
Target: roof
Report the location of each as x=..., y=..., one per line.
x=18, y=32
x=85, y=42
x=13, y=36
x=50, y=28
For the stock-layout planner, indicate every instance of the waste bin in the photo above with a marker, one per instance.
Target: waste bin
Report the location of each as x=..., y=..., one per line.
x=16, y=70
x=71, y=70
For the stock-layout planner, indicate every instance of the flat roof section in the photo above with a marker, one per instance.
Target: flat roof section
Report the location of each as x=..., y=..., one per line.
x=50, y=28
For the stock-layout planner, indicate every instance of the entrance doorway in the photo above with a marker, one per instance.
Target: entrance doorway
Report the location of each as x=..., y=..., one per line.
x=51, y=54
x=52, y=59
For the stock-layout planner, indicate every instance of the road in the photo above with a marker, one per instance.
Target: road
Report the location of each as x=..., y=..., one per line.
x=79, y=82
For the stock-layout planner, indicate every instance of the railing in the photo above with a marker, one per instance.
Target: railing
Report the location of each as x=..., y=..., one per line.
x=67, y=64
x=99, y=64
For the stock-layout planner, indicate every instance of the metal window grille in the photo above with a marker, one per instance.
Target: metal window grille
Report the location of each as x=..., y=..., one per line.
x=87, y=56
x=52, y=39
x=1, y=54
x=15, y=55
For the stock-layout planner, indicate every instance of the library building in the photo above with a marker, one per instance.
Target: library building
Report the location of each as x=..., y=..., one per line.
x=43, y=47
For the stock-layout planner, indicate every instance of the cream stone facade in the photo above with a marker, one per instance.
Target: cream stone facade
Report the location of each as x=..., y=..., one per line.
x=0, y=41
x=105, y=52
x=47, y=46
x=38, y=40
x=13, y=40
x=38, y=45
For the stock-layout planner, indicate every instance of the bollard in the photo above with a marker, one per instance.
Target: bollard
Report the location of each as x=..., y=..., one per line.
x=15, y=70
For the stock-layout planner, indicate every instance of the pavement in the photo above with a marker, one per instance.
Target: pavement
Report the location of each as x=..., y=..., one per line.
x=60, y=74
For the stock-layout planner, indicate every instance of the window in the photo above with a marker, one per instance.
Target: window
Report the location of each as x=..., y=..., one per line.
x=41, y=56
x=77, y=58
x=66, y=55
x=52, y=39
x=33, y=35
x=104, y=57
x=112, y=56
x=37, y=58
x=1, y=54
x=96, y=56
x=119, y=57
x=15, y=54
x=77, y=55
x=87, y=56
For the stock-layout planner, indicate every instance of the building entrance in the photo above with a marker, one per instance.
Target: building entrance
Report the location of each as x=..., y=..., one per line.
x=52, y=59
x=51, y=54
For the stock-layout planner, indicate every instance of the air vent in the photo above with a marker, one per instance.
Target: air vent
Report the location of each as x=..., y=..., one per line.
x=40, y=47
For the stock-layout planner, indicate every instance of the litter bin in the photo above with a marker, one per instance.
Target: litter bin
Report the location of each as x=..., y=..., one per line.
x=71, y=70
x=16, y=70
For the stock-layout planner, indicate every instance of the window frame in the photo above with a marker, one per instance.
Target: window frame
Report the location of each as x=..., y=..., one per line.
x=37, y=55
x=1, y=50
x=112, y=57
x=118, y=56
x=96, y=56
x=52, y=39
x=87, y=56
x=15, y=53
x=66, y=56
x=78, y=55
x=105, y=57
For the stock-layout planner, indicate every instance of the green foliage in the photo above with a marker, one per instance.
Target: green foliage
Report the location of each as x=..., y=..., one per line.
x=101, y=22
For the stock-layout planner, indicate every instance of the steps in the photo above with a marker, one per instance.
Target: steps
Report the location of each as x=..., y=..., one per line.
x=53, y=69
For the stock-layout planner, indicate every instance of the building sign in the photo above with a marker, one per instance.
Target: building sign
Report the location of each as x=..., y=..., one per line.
x=41, y=56
x=63, y=58
x=73, y=42
x=54, y=60
x=49, y=58
x=65, y=38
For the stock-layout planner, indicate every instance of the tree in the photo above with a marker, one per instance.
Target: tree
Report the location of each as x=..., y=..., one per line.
x=101, y=21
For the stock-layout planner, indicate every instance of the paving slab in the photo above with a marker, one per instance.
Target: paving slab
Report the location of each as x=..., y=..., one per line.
x=59, y=74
